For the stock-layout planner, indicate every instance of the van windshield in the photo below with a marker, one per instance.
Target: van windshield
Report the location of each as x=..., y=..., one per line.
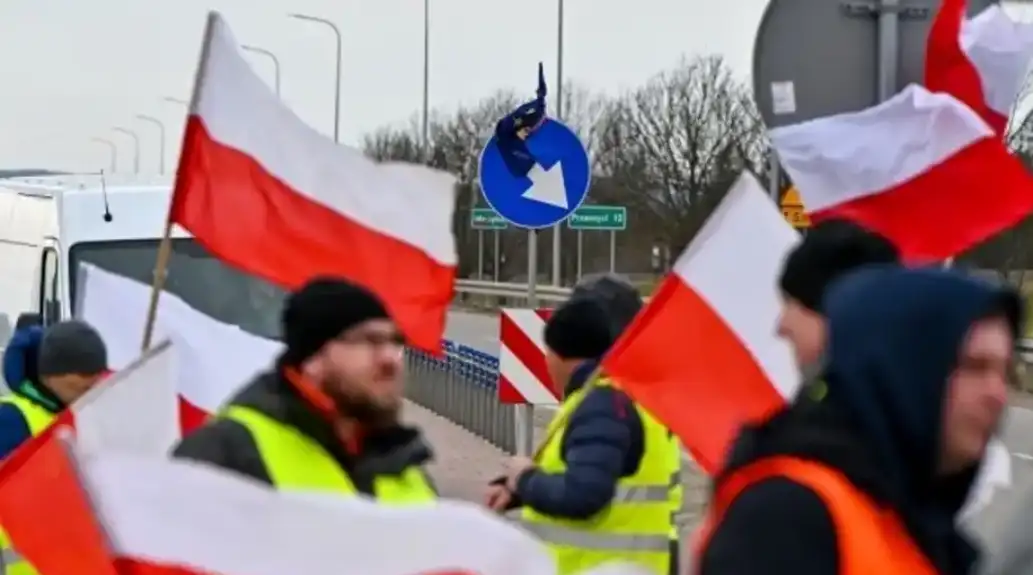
x=194, y=275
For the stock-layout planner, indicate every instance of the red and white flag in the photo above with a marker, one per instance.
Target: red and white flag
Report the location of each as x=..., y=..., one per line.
x=703, y=356
x=131, y=515
x=921, y=168
x=133, y=411
x=981, y=62
x=271, y=196
x=213, y=359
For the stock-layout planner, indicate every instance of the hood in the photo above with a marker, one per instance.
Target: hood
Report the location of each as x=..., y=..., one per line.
x=893, y=341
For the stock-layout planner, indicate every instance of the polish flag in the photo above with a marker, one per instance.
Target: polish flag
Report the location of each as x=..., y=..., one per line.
x=981, y=62
x=130, y=515
x=132, y=410
x=271, y=196
x=921, y=168
x=703, y=356
x=214, y=359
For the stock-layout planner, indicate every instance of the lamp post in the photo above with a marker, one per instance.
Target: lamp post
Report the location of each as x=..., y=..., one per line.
x=161, y=138
x=136, y=146
x=272, y=57
x=337, y=83
x=112, y=152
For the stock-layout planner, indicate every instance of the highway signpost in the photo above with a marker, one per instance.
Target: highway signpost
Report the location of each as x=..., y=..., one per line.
x=598, y=218
x=487, y=219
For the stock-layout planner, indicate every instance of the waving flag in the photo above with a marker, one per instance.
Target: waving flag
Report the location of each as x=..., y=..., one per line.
x=982, y=62
x=922, y=169
x=703, y=355
x=129, y=515
x=214, y=359
x=273, y=197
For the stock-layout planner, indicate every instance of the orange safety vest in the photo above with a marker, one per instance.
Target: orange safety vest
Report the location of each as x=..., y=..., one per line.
x=871, y=539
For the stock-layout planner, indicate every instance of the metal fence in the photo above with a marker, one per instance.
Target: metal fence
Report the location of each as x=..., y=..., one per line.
x=462, y=386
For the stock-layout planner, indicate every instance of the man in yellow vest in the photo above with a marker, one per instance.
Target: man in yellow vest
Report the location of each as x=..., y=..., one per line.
x=45, y=371
x=326, y=416
x=599, y=489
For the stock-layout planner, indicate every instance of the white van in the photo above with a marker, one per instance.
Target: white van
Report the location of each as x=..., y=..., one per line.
x=118, y=225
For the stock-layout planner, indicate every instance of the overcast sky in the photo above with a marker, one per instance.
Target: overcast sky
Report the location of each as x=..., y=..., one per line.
x=72, y=69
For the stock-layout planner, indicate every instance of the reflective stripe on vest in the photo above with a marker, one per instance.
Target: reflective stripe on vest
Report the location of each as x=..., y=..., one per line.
x=295, y=461
x=38, y=419
x=635, y=526
x=870, y=538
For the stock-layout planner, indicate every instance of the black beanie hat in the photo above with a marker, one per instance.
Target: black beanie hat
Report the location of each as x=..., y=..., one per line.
x=828, y=251
x=320, y=311
x=587, y=324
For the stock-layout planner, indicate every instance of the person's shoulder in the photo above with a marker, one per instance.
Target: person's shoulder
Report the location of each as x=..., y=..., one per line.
x=758, y=518
x=11, y=417
x=224, y=443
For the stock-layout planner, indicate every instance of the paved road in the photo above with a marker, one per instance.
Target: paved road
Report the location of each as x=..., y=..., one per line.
x=468, y=461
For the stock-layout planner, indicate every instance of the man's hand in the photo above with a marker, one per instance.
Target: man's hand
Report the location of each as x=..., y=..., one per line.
x=497, y=498
x=515, y=467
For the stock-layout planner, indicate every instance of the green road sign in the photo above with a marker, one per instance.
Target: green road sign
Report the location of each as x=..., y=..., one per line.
x=605, y=218
x=486, y=219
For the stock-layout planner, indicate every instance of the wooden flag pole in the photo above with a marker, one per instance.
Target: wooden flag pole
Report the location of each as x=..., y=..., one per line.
x=161, y=266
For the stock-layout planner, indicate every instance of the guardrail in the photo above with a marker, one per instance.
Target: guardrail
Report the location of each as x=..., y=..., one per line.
x=511, y=294
x=462, y=385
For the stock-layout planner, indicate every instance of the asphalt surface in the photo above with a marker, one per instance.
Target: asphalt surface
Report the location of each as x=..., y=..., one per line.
x=465, y=462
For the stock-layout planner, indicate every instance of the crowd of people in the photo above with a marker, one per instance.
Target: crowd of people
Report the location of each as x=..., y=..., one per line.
x=906, y=382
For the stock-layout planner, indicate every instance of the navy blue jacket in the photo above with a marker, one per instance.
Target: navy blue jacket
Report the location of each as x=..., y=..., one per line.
x=603, y=442
x=19, y=361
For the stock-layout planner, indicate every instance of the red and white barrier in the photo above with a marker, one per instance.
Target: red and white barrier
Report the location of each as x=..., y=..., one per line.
x=523, y=378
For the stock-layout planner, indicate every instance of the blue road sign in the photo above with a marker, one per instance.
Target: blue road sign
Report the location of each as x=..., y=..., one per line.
x=555, y=185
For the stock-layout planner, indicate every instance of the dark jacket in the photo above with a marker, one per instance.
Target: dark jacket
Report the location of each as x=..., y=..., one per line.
x=893, y=342
x=228, y=444
x=603, y=442
x=20, y=373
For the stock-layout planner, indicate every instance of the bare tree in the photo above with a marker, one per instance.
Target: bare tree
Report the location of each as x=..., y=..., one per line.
x=674, y=146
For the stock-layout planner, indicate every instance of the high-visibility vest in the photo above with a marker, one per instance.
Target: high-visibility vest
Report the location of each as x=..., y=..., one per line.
x=296, y=462
x=38, y=419
x=871, y=539
x=677, y=487
x=635, y=526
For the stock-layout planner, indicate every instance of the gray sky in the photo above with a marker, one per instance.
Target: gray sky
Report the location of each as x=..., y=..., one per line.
x=72, y=68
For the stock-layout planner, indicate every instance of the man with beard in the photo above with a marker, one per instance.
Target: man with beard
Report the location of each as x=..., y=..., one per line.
x=326, y=417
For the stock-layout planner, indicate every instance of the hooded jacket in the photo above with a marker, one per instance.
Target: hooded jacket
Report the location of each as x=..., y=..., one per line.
x=875, y=416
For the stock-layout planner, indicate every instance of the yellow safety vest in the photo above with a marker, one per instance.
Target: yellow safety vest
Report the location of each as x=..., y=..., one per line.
x=296, y=462
x=635, y=526
x=38, y=419
x=677, y=488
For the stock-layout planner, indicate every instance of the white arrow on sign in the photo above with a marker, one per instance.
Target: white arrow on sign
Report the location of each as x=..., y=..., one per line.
x=547, y=186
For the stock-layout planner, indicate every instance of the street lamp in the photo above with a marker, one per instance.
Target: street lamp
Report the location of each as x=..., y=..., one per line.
x=112, y=152
x=273, y=58
x=337, y=84
x=161, y=140
x=557, y=231
x=136, y=146
x=425, y=128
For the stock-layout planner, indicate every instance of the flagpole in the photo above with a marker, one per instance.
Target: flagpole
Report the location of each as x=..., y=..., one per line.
x=161, y=263
x=161, y=266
